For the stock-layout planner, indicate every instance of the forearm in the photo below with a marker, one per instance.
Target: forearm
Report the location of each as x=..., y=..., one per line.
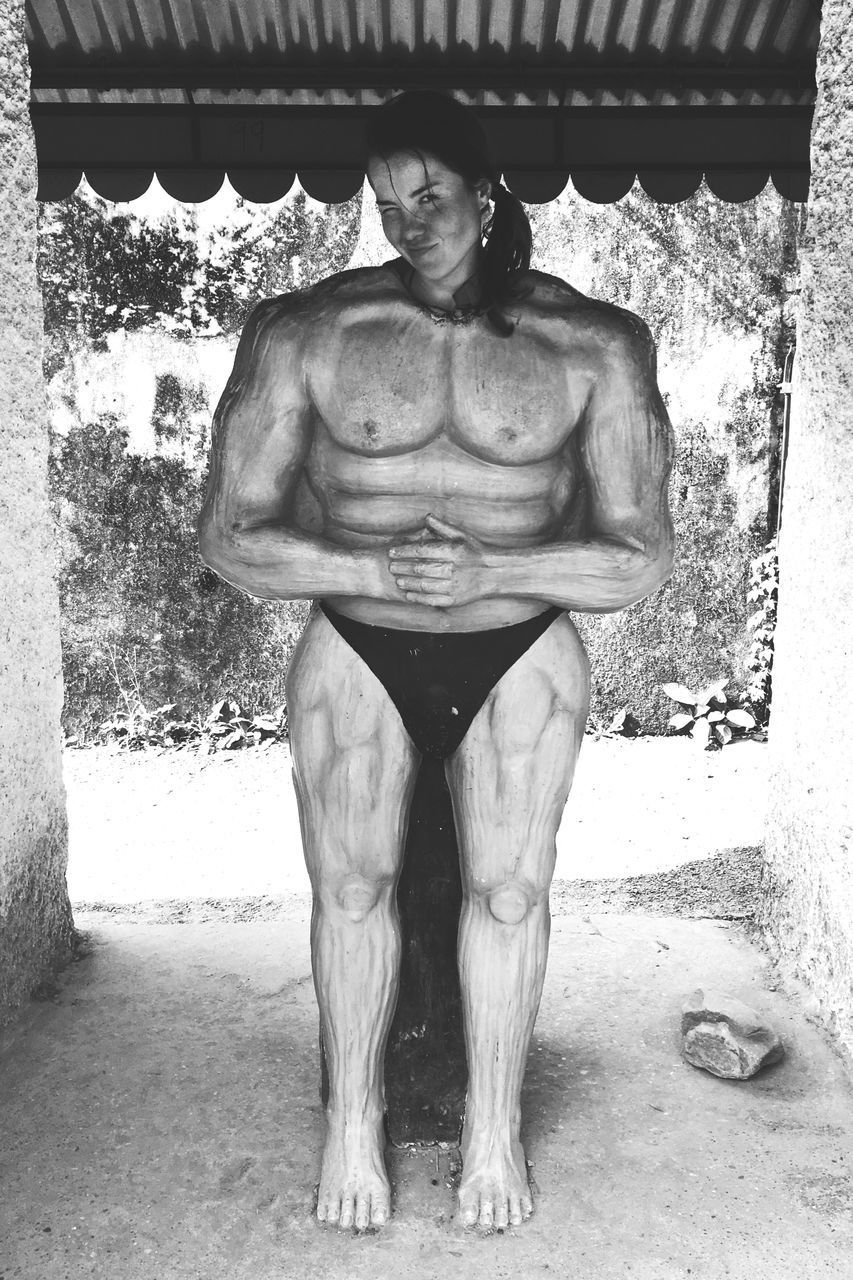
x=595, y=576
x=274, y=562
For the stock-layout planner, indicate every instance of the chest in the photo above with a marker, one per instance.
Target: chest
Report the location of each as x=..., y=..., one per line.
x=392, y=385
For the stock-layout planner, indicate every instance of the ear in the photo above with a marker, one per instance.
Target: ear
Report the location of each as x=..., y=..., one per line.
x=484, y=192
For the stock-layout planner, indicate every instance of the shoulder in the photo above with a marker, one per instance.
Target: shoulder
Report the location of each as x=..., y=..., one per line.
x=613, y=331
x=291, y=317
x=354, y=285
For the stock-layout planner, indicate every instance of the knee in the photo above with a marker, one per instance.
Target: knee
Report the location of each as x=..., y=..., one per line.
x=356, y=897
x=510, y=903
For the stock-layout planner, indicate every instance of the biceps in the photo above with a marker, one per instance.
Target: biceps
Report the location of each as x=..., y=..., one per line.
x=258, y=455
x=627, y=461
x=260, y=435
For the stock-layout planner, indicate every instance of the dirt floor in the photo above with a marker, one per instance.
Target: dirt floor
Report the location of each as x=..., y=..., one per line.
x=162, y=1116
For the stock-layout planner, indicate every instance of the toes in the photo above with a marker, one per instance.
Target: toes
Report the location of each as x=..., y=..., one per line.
x=487, y=1213
x=379, y=1214
x=347, y=1212
x=501, y=1216
x=362, y=1212
x=329, y=1211
x=526, y=1206
x=470, y=1211
x=515, y=1215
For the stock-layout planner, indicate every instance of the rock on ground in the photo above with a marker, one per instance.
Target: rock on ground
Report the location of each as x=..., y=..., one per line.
x=724, y=1036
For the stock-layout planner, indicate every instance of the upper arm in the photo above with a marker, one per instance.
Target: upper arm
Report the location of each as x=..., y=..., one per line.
x=625, y=442
x=261, y=427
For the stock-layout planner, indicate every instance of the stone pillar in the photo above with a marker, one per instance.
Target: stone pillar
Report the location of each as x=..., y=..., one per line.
x=35, y=917
x=808, y=886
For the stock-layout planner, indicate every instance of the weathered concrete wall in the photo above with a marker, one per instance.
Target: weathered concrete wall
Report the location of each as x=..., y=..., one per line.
x=808, y=890
x=35, y=918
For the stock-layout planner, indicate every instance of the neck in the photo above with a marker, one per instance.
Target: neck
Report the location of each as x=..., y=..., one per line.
x=460, y=291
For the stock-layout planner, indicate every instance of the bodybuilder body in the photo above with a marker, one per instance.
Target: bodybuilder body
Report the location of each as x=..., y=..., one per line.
x=415, y=470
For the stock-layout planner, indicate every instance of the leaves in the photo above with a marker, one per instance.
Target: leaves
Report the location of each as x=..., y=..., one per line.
x=680, y=693
x=763, y=591
x=681, y=721
x=740, y=719
x=226, y=728
x=712, y=722
x=714, y=693
x=622, y=725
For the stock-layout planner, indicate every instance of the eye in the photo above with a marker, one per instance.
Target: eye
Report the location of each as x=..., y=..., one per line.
x=428, y=198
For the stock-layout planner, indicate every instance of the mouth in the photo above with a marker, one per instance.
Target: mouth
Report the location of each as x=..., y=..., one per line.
x=421, y=250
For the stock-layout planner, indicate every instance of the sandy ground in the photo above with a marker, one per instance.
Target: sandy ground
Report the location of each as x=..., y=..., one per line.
x=180, y=825
x=166, y=1123
x=165, y=1119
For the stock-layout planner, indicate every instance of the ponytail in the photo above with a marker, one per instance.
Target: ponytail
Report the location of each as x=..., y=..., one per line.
x=508, y=241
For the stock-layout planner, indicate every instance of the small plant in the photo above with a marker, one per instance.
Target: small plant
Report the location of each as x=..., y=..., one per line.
x=136, y=727
x=763, y=592
x=711, y=721
x=225, y=729
x=622, y=725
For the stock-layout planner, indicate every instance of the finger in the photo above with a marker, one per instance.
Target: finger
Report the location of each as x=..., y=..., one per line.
x=422, y=568
x=423, y=551
x=429, y=586
x=444, y=528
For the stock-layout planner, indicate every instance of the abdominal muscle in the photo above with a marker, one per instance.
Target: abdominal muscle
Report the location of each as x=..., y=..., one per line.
x=379, y=501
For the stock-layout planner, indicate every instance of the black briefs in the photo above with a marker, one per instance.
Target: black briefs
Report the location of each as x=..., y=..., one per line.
x=439, y=680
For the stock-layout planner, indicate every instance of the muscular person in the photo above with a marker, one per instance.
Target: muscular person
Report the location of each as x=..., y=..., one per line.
x=448, y=475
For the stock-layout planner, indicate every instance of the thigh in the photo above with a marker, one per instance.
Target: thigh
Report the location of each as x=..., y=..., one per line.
x=511, y=775
x=354, y=765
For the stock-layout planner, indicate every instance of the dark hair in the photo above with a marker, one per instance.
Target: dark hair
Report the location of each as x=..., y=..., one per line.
x=438, y=125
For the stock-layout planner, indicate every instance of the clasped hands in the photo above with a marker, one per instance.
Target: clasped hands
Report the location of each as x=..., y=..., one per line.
x=441, y=566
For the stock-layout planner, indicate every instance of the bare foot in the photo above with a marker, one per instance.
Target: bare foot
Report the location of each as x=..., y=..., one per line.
x=354, y=1189
x=494, y=1191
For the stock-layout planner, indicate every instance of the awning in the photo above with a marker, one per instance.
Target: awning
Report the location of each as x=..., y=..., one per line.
x=596, y=91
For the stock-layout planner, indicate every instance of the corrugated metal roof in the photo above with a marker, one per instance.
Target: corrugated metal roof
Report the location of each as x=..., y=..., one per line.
x=509, y=56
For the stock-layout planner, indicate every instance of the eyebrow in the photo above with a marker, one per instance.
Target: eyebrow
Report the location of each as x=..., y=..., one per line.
x=428, y=186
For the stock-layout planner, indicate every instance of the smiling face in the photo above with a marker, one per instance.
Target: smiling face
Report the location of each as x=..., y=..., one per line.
x=433, y=218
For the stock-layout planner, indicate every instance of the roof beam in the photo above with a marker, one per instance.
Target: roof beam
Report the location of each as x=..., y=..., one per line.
x=539, y=141
x=509, y=77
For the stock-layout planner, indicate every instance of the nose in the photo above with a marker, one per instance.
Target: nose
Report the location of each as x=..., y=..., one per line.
x=412, y=227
